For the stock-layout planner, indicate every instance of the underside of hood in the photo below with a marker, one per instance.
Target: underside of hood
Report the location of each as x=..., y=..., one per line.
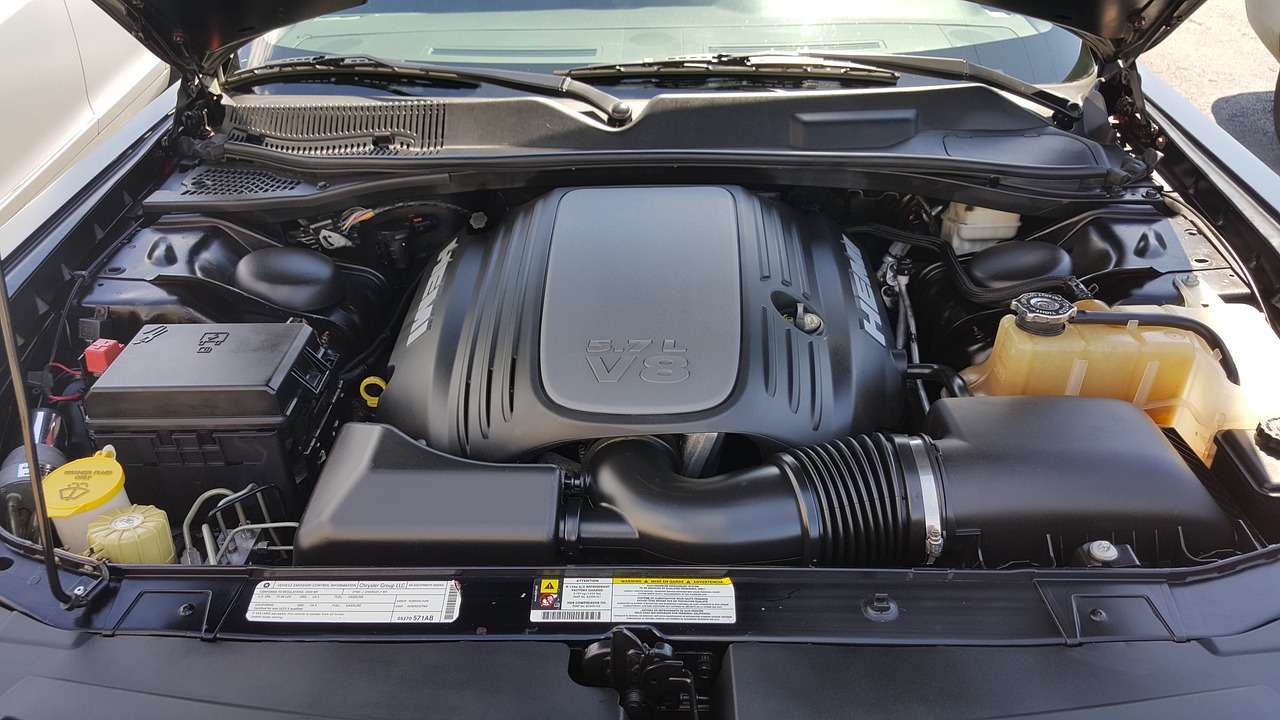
x=198, y=37
x=1117, y=29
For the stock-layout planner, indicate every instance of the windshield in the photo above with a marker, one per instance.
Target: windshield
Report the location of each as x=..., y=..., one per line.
x=547, y=35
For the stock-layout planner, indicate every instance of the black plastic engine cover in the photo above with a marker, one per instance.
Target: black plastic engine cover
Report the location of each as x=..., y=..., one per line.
x=599, y=312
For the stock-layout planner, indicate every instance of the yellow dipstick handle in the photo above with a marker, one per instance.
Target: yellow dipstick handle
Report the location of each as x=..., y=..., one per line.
x=371, y=389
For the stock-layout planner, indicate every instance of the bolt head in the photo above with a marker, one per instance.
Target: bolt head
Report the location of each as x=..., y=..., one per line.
x=1103, y=551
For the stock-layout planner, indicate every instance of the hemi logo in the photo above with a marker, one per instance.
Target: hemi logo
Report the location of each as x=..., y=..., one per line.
x=860, y=280
x=427, y=306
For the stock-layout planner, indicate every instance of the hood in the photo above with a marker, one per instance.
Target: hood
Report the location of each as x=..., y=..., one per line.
x=1116, y=29
x=197, y=37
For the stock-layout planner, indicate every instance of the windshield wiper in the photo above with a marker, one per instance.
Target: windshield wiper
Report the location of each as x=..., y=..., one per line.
x=865, y=66
x=616, y=110
x=771, y=66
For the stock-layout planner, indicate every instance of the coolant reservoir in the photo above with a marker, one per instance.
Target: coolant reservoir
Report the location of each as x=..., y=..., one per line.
x=1171, y=374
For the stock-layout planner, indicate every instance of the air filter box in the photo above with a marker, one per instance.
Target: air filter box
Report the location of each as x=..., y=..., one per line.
x=195, y=407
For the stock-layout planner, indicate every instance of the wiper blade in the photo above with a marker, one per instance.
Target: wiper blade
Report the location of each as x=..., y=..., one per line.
x=772, y=66
x=1064, y=109
x=616, y=110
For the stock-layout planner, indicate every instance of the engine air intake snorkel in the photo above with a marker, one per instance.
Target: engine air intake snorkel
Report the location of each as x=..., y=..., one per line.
x=870, y=501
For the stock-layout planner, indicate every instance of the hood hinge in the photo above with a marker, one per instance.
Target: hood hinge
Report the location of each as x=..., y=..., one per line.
x=198, y=112
x=1121, y=87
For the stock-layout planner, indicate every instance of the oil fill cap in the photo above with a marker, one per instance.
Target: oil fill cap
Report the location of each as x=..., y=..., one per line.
x=83, y=484
x=1042, y=313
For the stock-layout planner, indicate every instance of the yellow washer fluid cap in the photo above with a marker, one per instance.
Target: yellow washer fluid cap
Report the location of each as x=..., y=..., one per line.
x=79, y=491
x=137, y=534
x=84, y=484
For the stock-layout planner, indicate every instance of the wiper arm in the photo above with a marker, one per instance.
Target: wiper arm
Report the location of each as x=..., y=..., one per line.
x=616, y=110
x=1064, y=109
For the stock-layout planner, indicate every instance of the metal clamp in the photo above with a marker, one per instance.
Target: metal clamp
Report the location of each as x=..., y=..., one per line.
x=932, y=500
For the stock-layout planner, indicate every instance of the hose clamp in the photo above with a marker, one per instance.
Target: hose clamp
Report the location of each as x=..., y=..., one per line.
x=932, y=500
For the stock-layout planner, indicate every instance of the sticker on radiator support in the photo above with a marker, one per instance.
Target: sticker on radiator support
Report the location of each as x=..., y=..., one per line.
x=639, y=600
x=355, y=601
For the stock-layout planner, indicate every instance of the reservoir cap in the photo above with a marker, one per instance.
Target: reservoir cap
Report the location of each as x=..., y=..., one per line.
x=137, y=534
x=1268, y=436
x=1042, y=313
x=83, y=484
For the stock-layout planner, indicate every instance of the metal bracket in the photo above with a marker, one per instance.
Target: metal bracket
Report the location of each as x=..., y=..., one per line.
x=651, y=678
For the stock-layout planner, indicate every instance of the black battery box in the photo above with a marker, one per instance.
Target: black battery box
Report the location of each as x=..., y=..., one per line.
x=190, y=408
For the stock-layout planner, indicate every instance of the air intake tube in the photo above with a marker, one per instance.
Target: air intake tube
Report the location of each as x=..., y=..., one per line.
x=992, y=481
x=870, y=501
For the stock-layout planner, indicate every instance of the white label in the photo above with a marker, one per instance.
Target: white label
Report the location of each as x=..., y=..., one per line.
x=639, y=600
x=355, y=601
x=127, y=522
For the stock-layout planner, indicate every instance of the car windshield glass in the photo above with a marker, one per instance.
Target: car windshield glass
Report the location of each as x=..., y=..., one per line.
x=549, y=35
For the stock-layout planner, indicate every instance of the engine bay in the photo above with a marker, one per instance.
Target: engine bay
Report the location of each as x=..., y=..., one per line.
x=658, y=374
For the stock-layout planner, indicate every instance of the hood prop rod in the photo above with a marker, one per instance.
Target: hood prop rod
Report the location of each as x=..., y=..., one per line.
x=82, y=594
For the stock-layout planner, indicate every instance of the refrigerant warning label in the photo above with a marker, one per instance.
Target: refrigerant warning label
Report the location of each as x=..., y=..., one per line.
x=355, y=602
x=682, y=600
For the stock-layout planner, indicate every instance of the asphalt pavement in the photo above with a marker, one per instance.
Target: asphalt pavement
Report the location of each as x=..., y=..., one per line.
x=1218, y=63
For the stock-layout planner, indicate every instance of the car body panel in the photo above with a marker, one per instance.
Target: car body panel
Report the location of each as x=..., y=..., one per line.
x=102, y=78
x=1264, y=16
x=48, y=674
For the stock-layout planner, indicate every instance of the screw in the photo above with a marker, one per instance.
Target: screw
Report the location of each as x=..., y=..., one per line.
x=1103, y=551
x=1097, y=615
x=1190, y=280
x=633, y=703
x=1151, y=194
x=186, y=609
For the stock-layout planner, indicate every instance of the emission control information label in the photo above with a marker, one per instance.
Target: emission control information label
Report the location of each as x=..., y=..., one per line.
x=295, y=601
x=640, y=600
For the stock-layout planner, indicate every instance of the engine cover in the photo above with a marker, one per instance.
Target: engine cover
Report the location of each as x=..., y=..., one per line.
x=601, y=312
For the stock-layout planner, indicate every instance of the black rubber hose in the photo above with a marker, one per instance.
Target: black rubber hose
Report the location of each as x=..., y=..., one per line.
x=842, y=503
x=746, y=516
x=1065, y=284
x=950, y=379
x=1169, y=320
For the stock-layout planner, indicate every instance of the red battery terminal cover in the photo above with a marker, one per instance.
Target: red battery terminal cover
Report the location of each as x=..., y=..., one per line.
x=99, y=356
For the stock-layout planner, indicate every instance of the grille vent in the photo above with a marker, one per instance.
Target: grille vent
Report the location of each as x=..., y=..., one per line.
x=409, y=127
x=219, y=181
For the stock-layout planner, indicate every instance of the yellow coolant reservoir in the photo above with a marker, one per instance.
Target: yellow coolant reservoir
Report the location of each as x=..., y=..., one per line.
x=1172, y=374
